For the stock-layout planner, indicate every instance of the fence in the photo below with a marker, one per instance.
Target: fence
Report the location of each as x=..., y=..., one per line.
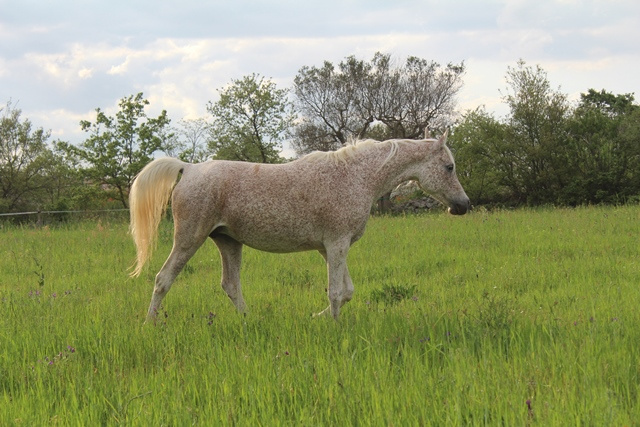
x=43, y=217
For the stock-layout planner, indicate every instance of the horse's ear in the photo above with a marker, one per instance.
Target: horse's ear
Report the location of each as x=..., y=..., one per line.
x=442, y=140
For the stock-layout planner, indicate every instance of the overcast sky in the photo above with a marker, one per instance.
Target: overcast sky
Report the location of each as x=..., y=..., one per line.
x=59, y=60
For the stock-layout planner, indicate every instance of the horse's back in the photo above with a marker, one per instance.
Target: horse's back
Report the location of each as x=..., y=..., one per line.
x=276, y=208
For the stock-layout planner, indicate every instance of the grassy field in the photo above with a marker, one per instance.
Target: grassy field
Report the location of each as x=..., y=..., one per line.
x=508, y=318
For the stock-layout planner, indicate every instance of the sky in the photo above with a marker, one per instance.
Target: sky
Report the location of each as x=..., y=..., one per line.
x=60, y=60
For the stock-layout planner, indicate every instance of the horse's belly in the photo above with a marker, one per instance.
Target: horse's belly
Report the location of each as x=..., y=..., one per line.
x=284, y=248
x=272, y=240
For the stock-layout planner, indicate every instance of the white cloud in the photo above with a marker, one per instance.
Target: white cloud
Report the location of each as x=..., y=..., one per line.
x=67, y=61
x=85, y=73
x=63, y=124
x=121, y=68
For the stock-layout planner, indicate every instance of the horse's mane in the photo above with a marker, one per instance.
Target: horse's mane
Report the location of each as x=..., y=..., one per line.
x=350, y=150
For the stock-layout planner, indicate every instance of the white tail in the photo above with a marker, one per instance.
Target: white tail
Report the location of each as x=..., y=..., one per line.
x=148, y=199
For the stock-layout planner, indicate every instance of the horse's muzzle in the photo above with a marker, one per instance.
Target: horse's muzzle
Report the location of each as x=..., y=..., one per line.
x=460, y=207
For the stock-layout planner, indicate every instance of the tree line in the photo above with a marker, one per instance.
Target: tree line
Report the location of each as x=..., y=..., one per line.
x=546, y=150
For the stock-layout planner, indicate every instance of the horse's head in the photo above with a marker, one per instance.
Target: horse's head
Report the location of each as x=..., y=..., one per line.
x=437, y=176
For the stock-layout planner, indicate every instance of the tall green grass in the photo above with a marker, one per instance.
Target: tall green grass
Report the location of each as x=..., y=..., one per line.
x=508, y=318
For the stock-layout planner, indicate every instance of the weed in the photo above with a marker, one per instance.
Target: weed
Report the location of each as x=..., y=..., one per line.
x=39, y=272
x=392, y=294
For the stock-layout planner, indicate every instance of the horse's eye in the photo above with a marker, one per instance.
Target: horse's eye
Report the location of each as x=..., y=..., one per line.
x=450, y=168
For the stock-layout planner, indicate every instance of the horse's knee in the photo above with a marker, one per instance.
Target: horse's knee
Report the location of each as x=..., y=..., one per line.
x=341, y=296
x=346, y=298
x=335, y=295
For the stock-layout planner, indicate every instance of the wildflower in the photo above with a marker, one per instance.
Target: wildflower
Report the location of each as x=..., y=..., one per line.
x=528, y=402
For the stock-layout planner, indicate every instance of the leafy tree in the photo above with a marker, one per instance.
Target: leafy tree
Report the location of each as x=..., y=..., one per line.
x=25, y=160
x=119, y=147
x=69, y=189
x=356, y=98
x=535, y=137
x=608, y=103
x=250, y=121
x=483, y=159
x=604, y=143
x=521, y=159
x=544, y=151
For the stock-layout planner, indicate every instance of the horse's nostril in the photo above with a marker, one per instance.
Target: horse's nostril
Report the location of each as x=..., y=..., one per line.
x=460, y=208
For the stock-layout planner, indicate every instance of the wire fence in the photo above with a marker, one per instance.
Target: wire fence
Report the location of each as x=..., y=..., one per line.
x=46, y=217
x=62, y=212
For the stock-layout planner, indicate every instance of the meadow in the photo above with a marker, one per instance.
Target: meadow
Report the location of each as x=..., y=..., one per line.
x=526, y=317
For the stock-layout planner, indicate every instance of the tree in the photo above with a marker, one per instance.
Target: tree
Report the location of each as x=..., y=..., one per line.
x=521, y=159
x=250, y=121
x=332, y=105
x=355, y=98
x=536, y=138
x=483, y=159
x=603, y=138
x=545, y=152
x=408, y=99
x=189, y=141
x=119, y=147
x=25, y=160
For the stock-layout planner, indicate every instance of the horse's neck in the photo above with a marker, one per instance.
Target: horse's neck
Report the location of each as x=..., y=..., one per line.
x=400, y=167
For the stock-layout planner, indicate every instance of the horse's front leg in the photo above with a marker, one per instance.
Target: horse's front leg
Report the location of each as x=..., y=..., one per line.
x=340, y=286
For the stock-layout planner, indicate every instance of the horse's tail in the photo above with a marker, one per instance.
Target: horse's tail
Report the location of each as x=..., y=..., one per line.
x=148, y=200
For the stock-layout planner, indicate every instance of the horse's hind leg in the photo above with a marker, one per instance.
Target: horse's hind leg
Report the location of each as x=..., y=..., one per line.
x=231, y=255
x=185, y=245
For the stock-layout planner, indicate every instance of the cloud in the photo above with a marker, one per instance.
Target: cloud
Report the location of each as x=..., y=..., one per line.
x=85, y=73
x=72, y=56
